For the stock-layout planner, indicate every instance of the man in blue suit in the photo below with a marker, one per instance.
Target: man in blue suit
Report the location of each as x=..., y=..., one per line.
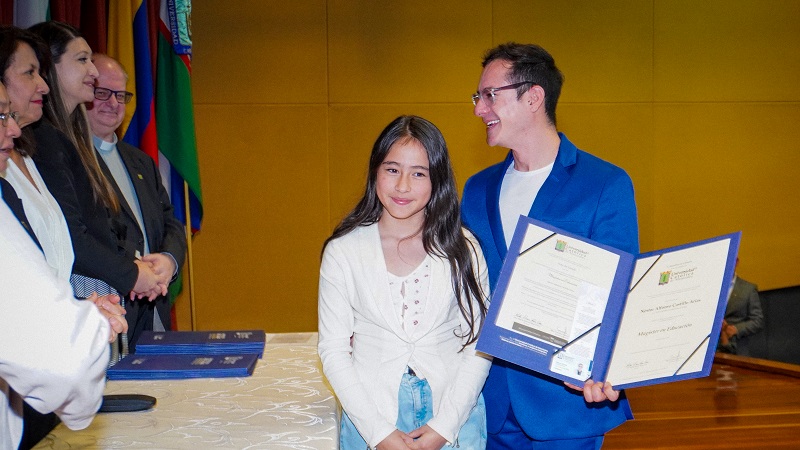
x=545, y=177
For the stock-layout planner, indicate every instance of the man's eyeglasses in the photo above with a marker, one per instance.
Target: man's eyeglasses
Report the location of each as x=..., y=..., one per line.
x=10, y=115
x=104, y=94
x=488, y=95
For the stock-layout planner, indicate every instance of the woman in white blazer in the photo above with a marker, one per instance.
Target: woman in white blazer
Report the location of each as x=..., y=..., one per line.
x=397, y=342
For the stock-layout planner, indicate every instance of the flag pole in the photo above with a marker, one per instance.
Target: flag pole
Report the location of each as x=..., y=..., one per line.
x=189, y=265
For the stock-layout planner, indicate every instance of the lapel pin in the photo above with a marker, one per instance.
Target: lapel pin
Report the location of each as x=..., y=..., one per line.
x=140, y=176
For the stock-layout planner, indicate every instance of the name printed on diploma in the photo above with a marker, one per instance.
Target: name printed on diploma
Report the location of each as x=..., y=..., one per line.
x=669, y=314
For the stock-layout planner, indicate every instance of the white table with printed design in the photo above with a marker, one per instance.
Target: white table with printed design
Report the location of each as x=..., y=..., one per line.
x=285, y=404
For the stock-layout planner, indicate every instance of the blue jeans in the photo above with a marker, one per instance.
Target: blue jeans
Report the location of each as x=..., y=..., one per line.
x=415, y=409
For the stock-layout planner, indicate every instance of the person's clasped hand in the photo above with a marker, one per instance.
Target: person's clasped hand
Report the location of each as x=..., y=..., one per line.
x=109, y=307
x=163, y=266
x=395, y=441
x=425, y=438
x=147, y=282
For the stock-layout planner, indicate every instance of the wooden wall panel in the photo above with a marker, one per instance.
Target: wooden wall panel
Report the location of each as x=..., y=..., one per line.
x=699, y=102
x=259, y=51
x=412, y=51
x=724, y=167
x=723, y=50
x=604, y=49
x=266, y=198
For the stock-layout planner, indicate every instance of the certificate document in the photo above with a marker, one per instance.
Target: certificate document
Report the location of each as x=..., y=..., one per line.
x=575, y=309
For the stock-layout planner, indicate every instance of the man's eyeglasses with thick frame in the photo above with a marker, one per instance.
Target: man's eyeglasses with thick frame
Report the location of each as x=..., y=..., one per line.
x=104, y=94
x=488, y=95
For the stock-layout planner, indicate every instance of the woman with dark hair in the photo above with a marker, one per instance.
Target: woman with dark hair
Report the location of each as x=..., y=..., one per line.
x=20, y=53
x=68, y=164
x=402, y=295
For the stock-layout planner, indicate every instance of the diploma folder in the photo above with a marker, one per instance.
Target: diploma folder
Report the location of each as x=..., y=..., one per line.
x=202, y=342
x=574, y=309
x=174, y=367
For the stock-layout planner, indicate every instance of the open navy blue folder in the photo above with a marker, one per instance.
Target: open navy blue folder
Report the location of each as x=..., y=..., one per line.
x=574, y=309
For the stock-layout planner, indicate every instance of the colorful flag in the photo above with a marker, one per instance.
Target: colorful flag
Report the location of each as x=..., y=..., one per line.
x=128, y=42
x=174, y=109
x=162, y=118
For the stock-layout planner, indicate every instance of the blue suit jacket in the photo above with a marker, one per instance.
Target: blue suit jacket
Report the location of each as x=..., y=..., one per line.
x=586, y=196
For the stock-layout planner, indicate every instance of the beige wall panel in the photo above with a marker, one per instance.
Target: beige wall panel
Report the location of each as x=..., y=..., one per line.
x=697, y=101
x=259, y=51
x=418, y=51
x=727, y=50
x=603, y=48
x=621, y=134
x=265, y=187
x=728, y=167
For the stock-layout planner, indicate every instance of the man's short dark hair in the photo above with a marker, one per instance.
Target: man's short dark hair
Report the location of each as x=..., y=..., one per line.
x=530, y=62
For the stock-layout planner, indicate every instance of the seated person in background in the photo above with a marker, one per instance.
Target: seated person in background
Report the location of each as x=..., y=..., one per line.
x=743, y=315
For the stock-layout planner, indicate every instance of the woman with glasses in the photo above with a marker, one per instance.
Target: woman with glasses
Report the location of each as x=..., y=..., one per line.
x=69, y=166
x=20, y=53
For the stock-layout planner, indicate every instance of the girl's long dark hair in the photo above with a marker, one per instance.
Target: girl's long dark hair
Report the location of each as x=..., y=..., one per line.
x=442, y=234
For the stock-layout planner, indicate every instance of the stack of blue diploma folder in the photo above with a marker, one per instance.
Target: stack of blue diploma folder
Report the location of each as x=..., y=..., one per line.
x=169, y=367
x=202, y=342
x=166, y=355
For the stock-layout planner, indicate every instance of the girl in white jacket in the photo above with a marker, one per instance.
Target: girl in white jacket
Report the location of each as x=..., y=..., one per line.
x=402, y=295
